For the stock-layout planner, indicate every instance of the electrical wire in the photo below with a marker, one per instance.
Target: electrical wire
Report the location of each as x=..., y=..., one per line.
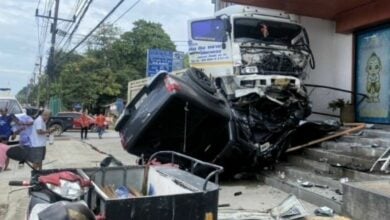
x=69, y=25
x=67, y=42
x=129, y=9
x=95, y=28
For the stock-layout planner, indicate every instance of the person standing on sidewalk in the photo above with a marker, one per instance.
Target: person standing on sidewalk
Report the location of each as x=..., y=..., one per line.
x=38, y=138
x=84, y=123
x=4, y=160
x=5, y=124
x=100, y=122
x=23, y=129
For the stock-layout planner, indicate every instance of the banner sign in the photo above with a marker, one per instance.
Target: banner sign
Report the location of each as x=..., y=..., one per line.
x=373, y=75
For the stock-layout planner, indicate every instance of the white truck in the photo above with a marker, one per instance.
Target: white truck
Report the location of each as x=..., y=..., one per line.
x=250, y=48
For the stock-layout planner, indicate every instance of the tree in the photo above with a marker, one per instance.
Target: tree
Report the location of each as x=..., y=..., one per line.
x=131, y=48
x=84, y=81
x=101, y=74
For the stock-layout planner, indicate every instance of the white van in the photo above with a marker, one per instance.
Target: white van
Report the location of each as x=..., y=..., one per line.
x=9, y=101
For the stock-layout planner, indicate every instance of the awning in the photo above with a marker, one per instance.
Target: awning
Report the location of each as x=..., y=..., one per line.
x=350, y=15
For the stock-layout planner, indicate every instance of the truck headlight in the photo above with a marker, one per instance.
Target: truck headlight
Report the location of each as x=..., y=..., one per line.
x=249, y=70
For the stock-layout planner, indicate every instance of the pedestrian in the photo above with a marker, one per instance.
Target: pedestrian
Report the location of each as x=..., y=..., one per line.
x=4, y=160
x=84, y=123
x=5, y=124
x=38, y=139
x=23, y=129
x=101, y=124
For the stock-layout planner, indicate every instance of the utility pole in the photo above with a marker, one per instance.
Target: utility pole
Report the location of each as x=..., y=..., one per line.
x=53, y=30
x=39, y=75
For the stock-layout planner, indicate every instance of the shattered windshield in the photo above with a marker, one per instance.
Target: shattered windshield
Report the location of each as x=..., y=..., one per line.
x=251, y=29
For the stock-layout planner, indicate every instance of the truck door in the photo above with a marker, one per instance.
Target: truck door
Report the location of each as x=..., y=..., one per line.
x=210, y=46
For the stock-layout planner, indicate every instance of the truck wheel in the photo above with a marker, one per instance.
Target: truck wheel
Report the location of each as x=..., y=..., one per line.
x=201, y=79
x=57, y=129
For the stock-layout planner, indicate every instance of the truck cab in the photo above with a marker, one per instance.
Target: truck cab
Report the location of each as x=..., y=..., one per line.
x=250, y=48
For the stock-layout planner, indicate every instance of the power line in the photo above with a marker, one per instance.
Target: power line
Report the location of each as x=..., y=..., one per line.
x=77, y=24
x=123, y=14
x=95, y=28
x=67, y=27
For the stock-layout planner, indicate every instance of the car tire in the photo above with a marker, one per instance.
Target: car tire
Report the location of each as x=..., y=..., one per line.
x=58, y=129
x=201, y=79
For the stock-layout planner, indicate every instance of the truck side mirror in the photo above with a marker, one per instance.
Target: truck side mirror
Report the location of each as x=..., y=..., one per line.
x=227, y=25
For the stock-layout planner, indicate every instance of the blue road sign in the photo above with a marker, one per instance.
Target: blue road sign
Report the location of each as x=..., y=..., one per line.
x=163, y=60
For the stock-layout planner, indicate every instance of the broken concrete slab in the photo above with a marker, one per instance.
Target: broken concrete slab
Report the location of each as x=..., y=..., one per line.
x=340, y=158
x=353, y=148
x=367, y=200
x=317, y=196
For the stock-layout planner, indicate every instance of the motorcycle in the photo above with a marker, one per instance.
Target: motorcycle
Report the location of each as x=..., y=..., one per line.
x=55, y=194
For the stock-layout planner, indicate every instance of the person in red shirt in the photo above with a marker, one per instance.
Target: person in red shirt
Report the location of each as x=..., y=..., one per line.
x=4, y=160
x=84, y=123
x=100, y=122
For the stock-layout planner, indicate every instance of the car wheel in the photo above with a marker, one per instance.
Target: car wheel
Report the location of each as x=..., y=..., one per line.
x=57, y=129
x=201, y=79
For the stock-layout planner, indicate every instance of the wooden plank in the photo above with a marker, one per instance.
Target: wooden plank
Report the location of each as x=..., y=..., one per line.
x=355, y=128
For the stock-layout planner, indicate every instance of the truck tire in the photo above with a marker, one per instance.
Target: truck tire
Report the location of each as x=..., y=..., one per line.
x=201, y=79
x=58, y=129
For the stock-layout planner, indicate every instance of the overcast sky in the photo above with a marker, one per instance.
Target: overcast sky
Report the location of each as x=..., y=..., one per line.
x=19, y=34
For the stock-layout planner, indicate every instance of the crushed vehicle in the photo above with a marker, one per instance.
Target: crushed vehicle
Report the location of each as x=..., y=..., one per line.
x=240, y=102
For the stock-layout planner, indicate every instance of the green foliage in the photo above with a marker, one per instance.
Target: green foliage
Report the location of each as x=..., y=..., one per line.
x=337, y=104
x=101, y=74
x=131, y=48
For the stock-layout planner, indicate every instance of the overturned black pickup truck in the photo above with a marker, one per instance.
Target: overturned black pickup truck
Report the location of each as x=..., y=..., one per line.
x=191, y=115
x=241, y=114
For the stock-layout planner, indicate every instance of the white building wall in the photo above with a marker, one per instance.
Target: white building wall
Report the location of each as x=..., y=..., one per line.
x=333, y=54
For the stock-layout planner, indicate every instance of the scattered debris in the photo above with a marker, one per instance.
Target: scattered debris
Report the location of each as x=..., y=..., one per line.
x=344, y=180
x=324, y=211
x=232, y=214
x=375, y=145
x=321, y=186
x=336, y=217
x=307, y=184
x=291, y=208
x=338, y=192
x=323, y=159
x=282, y=175
x=238, y=193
